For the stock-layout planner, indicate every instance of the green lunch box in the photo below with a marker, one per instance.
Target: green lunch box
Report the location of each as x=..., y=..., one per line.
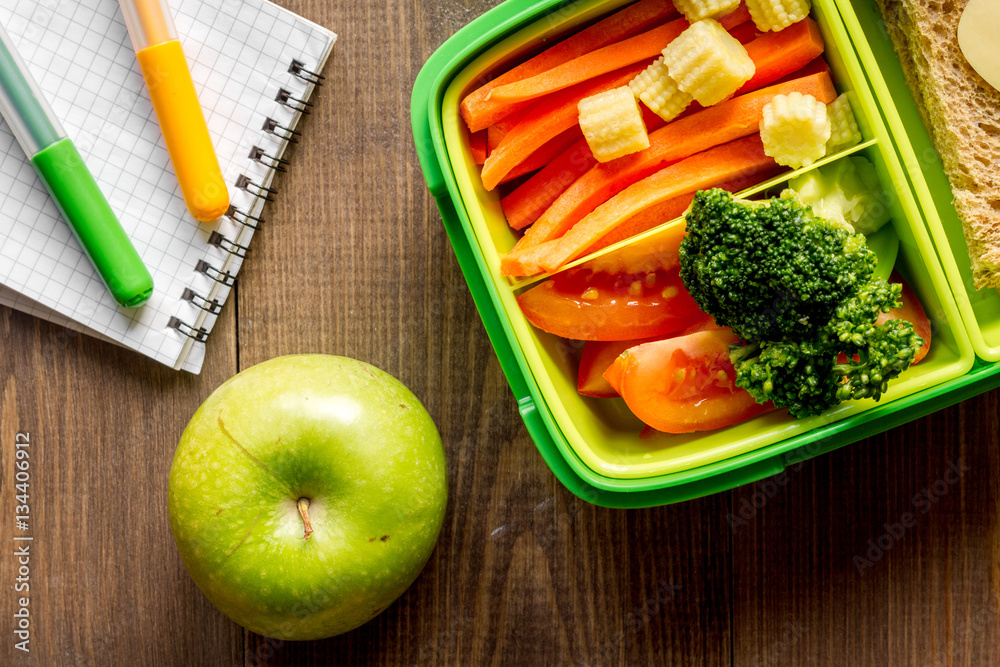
x=593, y=445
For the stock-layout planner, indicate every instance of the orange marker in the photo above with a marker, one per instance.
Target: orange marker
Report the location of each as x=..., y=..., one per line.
x=177, y=108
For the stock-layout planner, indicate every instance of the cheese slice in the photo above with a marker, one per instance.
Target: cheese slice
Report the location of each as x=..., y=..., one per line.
x=977, y=37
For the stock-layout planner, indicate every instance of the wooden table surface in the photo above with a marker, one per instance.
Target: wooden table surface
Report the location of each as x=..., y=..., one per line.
x=818, y=570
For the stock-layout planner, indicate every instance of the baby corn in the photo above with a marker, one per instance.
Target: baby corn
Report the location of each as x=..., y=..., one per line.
x=707, y=62
x=612, y=124
x=658, y=91
x=795, y=129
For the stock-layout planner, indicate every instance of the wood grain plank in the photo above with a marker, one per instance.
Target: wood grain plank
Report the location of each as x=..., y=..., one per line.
x=878, y=553
x=106, y=583
x=943, y=574
x=797, y=595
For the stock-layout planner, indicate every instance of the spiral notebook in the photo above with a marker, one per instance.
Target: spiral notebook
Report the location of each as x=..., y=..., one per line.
x=255, y=66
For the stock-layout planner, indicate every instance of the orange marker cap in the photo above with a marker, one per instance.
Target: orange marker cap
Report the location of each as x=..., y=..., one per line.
x=149, y=22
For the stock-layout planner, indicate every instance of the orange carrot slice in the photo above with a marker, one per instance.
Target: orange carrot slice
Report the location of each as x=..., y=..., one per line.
x=658, y=252
x=496, y=132
x=548, y=117
x=550, y=151
x=477, y=146
x=494, y=135
x=673, y=208
x=646, y=46
x=710, y=127
x=653, y=216
x=719, y=124
x=784, y=51
x=815, y=66
x=741, y=158
x=523, y=206
x=529, y=201
x=745, y=32
x=642, y=16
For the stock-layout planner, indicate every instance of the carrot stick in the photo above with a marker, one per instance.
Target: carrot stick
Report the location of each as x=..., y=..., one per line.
x=630, y=21
x=745, y=32
x=545, y=154
x=653, y=216
x=672, y=209
x=494, y=135
x=548, y=117
x=716, y=125
x=737, y=159
x=526, y=204
x=477, y=146
x=523, y=206
x=496, y=132
x=814, y=66
x=646, y=46
x=785, y=51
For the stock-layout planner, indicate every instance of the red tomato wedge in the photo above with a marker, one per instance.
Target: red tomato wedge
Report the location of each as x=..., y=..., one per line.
x=596, y=358
x=683, y=384
x=614, y=375
x=706, y=323
x=583, y=305
x=913, y=312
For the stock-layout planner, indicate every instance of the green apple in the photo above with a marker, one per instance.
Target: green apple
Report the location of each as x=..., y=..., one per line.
x=306, y=495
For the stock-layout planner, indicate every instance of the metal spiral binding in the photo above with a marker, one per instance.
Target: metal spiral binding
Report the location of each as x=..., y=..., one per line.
x=241, y=218
x=298, y=68
x=222, y=243
x=213, y=307
x=294, y=103
x=200, y=335
x=272, y=126
x=221, y=277
x=257, y=154
x=259, y=191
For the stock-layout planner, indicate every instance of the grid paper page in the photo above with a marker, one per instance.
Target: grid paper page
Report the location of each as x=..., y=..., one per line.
x=80, y=53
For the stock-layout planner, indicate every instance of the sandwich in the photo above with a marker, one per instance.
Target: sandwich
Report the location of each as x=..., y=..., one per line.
x=962, y=114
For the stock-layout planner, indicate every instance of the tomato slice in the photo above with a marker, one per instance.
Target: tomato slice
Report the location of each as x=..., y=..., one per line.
x=684, y=384
x=705, y=323
x=583, y=305
x=912, y=311
x=614, y=375
x=596, y=358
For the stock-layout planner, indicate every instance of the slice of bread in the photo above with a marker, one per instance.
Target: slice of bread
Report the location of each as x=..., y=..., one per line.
x=962, y=114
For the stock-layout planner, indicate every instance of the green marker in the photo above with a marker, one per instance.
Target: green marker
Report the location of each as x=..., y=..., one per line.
x=70, y=183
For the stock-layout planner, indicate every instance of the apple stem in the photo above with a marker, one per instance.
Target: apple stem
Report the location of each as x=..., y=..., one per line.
x=303, y=506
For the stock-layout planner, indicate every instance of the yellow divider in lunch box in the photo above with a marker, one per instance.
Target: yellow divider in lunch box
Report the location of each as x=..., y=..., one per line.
x=602, y=433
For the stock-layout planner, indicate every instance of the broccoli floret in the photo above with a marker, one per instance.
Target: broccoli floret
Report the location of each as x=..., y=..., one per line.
x=800, y=291
x=795, y=375
x=772, y=269
x=875, y=353
x=807, y=377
